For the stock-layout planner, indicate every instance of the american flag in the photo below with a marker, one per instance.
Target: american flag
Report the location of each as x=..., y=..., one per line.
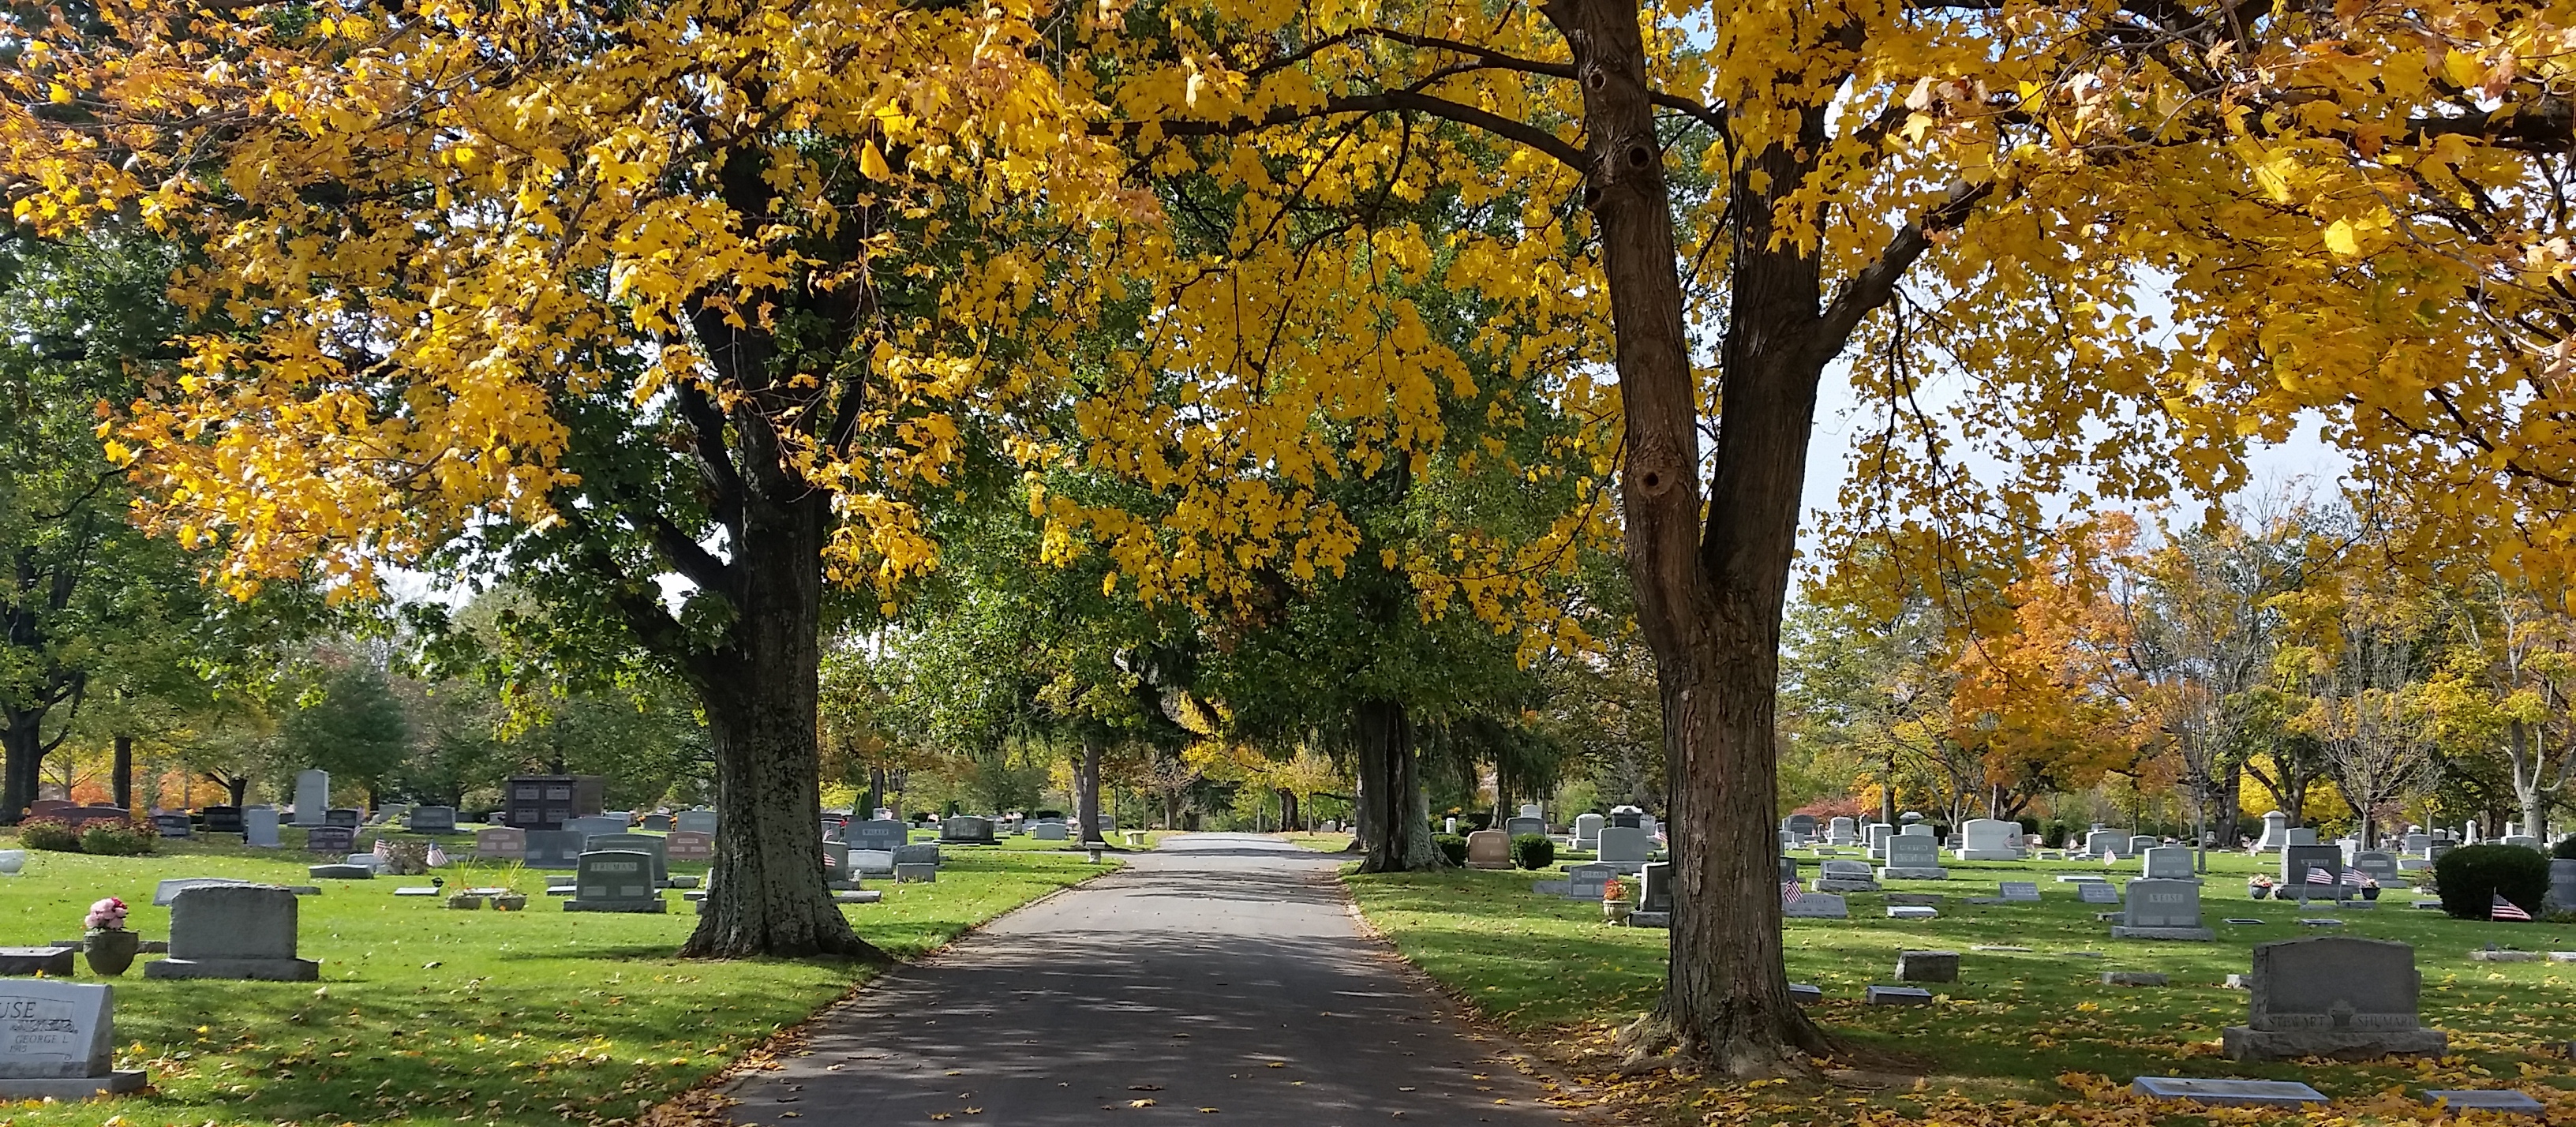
x=2504, y=909
x=384, y=849
x=1789, y=892
x=2321, y=875
x=830, y=861
x=2353, y=876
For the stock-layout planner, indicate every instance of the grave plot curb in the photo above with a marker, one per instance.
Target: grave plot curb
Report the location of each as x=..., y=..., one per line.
x=1463, y=1011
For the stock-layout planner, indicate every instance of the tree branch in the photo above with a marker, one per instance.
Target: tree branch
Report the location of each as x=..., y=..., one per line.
x=1876, y=282
x=1526, y=134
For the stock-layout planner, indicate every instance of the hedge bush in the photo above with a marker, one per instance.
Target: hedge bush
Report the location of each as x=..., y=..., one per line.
x=1453, y=847
x=49, y=833
x=1534, y=851
x=2470, y=877
x=2565, y=850
x=119, y=839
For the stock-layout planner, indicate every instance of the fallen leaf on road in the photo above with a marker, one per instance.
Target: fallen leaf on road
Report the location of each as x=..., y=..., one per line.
x=1278, y=1064
x=1140, y=1103
x=1208, y=1110
x=1404, y=1089
x=1144, y=1087
x=956, y=1072
x=939, y=1115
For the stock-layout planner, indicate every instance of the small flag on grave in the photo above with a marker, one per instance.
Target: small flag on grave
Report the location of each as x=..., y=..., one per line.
x=1789, y=892
x=2504, y=909
x=2320, y=875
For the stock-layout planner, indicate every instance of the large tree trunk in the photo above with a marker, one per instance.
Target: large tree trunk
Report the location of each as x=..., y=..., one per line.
x=1709, y=601
x=1288, y=813
x=766, y=893
x=1396, y=825
x=1086, y=786
x=22, y=760
x=121, y=773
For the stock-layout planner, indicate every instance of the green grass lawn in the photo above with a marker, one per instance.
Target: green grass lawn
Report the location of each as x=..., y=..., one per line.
x=426, y=1014
x=1551, y=971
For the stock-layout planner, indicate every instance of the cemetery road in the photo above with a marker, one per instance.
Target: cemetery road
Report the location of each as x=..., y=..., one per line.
x=1220, y=977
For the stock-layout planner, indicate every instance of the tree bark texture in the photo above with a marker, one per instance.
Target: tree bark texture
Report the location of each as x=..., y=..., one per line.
x=1395, y=823
x=1086, y=785
x=22, y=760
x=121, y=773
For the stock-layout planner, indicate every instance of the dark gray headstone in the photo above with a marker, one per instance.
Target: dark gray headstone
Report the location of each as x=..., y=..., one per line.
x=2097, y=892
x=334, y=840
x=344, y=817
x=555, y=849
x=2296, y=860
x=882, y=833
x=223, y=819
x=242, y=931
x=2228, y=1093
x=2332, y=996
x=174, y=823
x=615, y=881
x=431, y=819
x=647, y=844
x=2018, y=892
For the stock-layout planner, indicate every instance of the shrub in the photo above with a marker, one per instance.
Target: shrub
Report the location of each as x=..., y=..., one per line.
x=118, y=839
x=49, y=833
x=1452, y=847
x=2565, y=850
x=1534, y=851
x=2471, y=876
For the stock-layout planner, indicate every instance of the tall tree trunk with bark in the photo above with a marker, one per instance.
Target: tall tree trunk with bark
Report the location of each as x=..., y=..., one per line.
x=1288, y=814
x=122, y=772
x=1395, y=823
x=1086, y=786
x=22, y=761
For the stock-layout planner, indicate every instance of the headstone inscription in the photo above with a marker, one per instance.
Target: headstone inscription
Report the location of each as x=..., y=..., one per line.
x=333, y=840
x=689, y=845
x=174, y=823
x=237, y=931
x=1816, y=906
x=431, y=819
x=615, y=881
x=1913, y=857
x=58, y=1042
x=966, y=830
x=647, y=844
x=500, y=843
x=259, y=827
x=312, y=796
x=223, y=819
x=881, y=833
x=1486, y=849
x=2379, y=865
x=1585, y=882
x=2018, y=892
x=2332, y=996
x=2097, y=892
x=2163, y=909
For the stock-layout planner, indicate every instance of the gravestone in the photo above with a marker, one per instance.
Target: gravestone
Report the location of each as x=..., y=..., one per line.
x=615, y=881
x=2163, y=909
x=1878, y=836
x=2018, y=892
x=237, y=931
x=2096, y=892
x=344, y=817
x=501, y=843
x=1988, y=839
x=312, y=796
x=168, y=890
x=2302, y=835
x=48, y=807
x=1845, y=876
x=1927, y=966
x=1486, y=849
x=881, y=833
x=2167, y=862
x=1896, y=996
x=174, y=824
x=1587, y=830
x=1816, y=906
x=259, y=827
x=589, y=824
x=2100, y=842
x=2227, y=1093
x=1841, y=831
x=2333, y=996
x=966, y=830
x=82, y=815
x=2297, y=860
x=646, y=844
x=1624, y=845
x=689, y=845
x=1655, y=887
x=1585, y=882
x=338, y=870
x=1628, y=817
x=1803, y=825
x=2379, y=865
x=1913, y=856
x=333, y=840
x=695, y=821
x=42, y=962
x=58, y=1042
x=2504, y=1100
x=431, y=819
x=836, y=866
x=656, y=823
x=223, y=819
x=872, y=862
x=2139, y=843
x=1049, y=831
x=1518, y=826
x=922, y=853
x=554, y=849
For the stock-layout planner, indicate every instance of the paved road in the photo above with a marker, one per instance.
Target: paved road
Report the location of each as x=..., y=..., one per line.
x=1221, y=971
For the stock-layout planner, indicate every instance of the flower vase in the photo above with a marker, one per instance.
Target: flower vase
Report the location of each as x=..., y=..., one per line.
x=1615, y=911
x=2258, y=891
x=2369, y=893
x=111, y=952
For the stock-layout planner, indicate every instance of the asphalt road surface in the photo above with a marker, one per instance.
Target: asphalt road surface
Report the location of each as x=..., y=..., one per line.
x=1220, y=977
